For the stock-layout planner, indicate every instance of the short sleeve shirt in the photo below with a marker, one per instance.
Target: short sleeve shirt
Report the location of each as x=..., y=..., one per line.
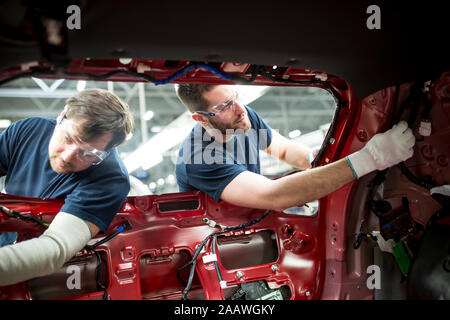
x=94, y=194
x=207, y=165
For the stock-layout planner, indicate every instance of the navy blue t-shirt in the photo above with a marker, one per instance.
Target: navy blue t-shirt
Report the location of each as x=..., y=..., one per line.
x=207, y=165
x=94, y=194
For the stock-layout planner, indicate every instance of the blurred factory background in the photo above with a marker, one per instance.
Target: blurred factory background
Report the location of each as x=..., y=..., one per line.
x=162, y=122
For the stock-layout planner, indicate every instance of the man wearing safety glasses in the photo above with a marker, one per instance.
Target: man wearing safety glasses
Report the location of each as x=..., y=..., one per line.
x=73, y=158
x=230, y=171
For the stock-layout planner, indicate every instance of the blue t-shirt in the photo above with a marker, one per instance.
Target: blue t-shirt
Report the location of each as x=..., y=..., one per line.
x=207, y=165
x=94, y=194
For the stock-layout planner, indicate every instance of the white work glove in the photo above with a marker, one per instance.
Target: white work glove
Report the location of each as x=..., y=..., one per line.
x=384, y=150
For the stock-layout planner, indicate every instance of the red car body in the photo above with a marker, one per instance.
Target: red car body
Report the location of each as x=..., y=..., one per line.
x=298, y=257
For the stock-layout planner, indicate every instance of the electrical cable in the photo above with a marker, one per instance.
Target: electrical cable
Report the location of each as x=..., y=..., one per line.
x=376, y=181
x=191, y=67
x=144, y=76
x=416, y=96
x=239, y=79
x=100, y=285
x=339, y=104
x=325, y=84
x=125, y=226
x=412, y=101
x=17, y=215
x=216, y=264
x=111, y=73
x=193, y=261
x=27, y=74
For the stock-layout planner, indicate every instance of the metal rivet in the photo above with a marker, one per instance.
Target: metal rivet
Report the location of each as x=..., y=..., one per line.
x=362, y=135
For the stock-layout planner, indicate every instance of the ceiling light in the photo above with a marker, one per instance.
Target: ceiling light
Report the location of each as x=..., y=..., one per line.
x=148, y=115
x=81, y=85
x=294, y=134
x=4, y=123
x=170, y=179
x=125, y=60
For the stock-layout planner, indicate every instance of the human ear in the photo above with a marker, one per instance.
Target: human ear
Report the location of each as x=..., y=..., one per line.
x=203, y=120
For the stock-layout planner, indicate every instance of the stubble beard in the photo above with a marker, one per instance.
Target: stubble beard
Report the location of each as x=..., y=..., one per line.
x=235, y=126
x=55, y=162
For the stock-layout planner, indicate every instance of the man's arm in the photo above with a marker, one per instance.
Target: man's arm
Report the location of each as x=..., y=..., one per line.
x=294, y=154
x=252, y=190
x=382, y=151
x=93, y=228
x=66, y=235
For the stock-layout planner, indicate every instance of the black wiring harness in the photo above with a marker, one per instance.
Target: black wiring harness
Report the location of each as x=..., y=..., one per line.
x=17, y=215
x=125, y=226
x=213, y=235
x=412, y=103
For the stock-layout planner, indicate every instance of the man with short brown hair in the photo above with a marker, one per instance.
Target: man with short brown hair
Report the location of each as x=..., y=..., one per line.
x=73, y=158
x=221, y=154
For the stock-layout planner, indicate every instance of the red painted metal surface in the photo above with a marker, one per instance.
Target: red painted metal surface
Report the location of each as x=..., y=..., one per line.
x=142, y=262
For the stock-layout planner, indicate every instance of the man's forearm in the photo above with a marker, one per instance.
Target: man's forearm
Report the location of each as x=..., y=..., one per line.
x=252, y=190
x=297, y=155
x=309, y=185
x=293, y=153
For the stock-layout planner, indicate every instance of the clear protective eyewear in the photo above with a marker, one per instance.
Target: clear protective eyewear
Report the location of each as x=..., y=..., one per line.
x=221, y=107
x=92, y=155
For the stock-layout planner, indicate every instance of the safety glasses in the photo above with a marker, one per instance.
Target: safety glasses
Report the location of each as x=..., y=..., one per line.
x=221, y=107
x=91, y=155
